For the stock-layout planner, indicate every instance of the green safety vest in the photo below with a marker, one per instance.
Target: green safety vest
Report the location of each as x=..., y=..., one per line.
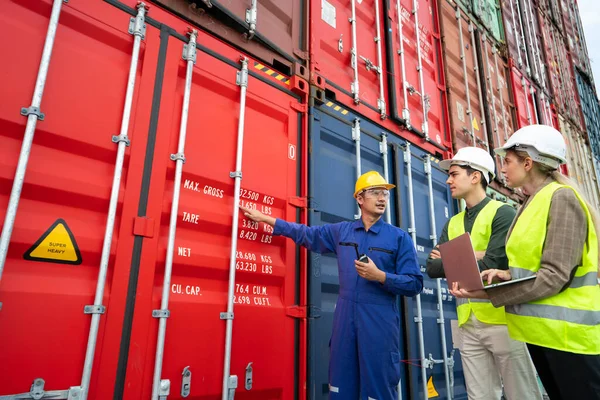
x=570, y=320
x=480, y=237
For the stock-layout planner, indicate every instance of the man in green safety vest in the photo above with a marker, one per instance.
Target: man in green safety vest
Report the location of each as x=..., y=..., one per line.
x=491, y=359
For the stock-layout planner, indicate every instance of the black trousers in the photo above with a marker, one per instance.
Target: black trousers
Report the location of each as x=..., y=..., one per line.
x=567, y=376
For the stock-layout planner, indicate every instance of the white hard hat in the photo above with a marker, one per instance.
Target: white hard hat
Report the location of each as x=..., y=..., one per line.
x=543, y=143
x=475, y=158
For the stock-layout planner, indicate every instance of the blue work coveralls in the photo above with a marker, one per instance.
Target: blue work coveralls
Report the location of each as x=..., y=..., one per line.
x=364, y=348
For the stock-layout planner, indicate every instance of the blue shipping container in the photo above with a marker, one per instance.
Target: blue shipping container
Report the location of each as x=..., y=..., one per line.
x=591, y=112
x=333, y=136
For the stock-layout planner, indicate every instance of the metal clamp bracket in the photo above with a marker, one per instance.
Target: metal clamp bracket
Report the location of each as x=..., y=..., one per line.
x=226, y=315
x=235, y=174
x=121, y=138
x=33, y=111
x=161, y=313
x=232, y=384
x=94, y=309
x=178, y=157
x=164, y=389
x=137, y=26
x=189, y=53
x=186, y=381
x=427, y=168
x=356, y=130
x=241, y=78
x=252, y=18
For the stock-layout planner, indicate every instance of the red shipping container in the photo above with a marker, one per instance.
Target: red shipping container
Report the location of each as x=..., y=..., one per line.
x=274, y=32
x=575, y=37
x=561, y=73
x=551, y=9
x=57, y=243
x=525, y=45
x=464, y=85
x=358, y=56
x=524, y=93
x=499, y=106
x=483, y=115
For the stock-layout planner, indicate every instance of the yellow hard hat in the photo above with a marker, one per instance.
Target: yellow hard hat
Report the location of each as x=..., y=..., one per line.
x=370, y=179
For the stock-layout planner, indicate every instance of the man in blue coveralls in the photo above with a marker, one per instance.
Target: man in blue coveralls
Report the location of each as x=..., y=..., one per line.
x=365, y=354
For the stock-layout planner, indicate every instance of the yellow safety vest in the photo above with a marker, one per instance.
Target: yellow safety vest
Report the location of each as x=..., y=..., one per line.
x=567, y=321
x=480, y=237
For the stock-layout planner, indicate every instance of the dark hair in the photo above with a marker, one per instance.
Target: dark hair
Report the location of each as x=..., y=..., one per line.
x=483, y=181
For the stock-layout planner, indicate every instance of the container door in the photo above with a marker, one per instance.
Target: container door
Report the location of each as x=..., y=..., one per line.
x=443, y=206
x=333, y=173
x=533, y=43
x=265, y=343
x=417, y=99
x=523, y=93
x=465, y=94
x=497, y=97
x=54, y=257
x=591, y=111
x=345, y=49
x=515, y=34
x=489, y=12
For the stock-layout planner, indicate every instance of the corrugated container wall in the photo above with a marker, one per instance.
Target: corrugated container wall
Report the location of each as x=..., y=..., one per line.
x=575, y=37
x=334, y=163
x=489, y=14
x=523, y=38
x=580, y=162
x=500, y=111
x=463, y=83
x=483, y=114
x=562, y=79
x=551, y=8
x=591, y=112
x=524, y=95
x=382, y=59
x=175, y=242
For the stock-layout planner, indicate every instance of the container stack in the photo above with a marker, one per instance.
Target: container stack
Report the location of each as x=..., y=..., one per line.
x=272, y=105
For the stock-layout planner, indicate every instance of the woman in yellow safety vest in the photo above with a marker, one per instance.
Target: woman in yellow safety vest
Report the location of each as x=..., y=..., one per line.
x=554, y=237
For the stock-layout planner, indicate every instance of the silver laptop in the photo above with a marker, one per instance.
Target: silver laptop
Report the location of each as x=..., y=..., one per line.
x=460, y=265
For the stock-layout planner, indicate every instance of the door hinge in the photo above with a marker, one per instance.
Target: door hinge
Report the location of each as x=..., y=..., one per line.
x=301, y=54
x=303, y=312
x=300, y=202
x=299, y=107
x=143, y=226
x=296, y=311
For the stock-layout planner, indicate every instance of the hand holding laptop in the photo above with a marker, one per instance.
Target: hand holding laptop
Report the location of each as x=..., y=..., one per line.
x=462, y=270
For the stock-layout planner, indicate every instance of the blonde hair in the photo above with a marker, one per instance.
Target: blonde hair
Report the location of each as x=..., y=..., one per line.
x=545, y=170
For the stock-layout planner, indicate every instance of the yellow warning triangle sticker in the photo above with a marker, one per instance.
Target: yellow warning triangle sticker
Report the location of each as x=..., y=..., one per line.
x=431, y=392
x=56, y=245
x=475, y=124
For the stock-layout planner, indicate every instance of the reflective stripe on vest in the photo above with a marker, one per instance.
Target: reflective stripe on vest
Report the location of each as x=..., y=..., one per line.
x=483, y=310
x=567, y=321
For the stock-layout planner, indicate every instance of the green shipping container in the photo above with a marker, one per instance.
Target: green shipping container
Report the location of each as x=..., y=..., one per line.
x=489, y=13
